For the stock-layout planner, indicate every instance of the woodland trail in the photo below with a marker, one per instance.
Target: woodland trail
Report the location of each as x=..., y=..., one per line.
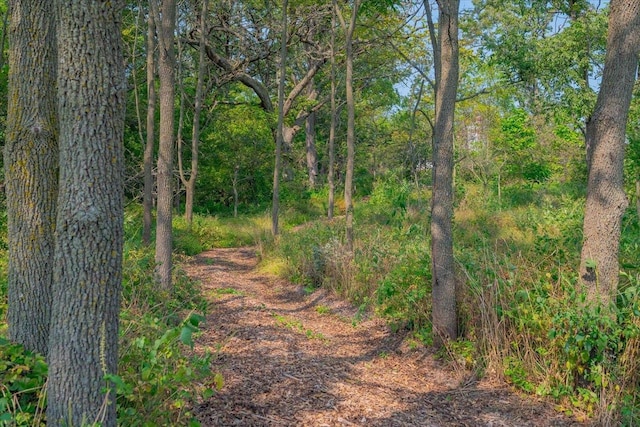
x=290, y=359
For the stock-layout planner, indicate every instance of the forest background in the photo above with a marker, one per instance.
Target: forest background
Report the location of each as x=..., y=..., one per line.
x=530, y=72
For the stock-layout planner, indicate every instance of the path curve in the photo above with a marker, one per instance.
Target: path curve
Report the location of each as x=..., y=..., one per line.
x=291, y=359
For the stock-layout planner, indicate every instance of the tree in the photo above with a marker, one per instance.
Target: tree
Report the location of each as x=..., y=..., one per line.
x=190, y=184
x=245, y=53
x=310, y=122
x=332, y=128
x=89, y=226
x=606, y=129
x=31, y=165
x=351, y=121
x=446, y=83
x=275, y=204
x=147, y=197
x=166, y=73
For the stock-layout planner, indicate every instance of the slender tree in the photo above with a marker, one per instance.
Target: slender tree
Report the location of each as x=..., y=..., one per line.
x=310, y=141
x=446, y=83
x=147, y=198
x=332, y=129
x=31, y=164
x=606, y=130
x=275, y=205
x=89, y=227
x=190, y=184
x=166, y=72
x=351, y=120
x=310, y=122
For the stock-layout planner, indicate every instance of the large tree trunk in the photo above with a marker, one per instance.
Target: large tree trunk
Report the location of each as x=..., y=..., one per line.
x=166, y=72
x=275, y=205
x=147, y=198
x=89, y=231
x=443, y=276
x=606, y=129
x=351, y=122
x=31, y=163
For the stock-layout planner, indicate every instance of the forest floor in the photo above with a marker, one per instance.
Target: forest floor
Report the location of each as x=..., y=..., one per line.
x=292, y=359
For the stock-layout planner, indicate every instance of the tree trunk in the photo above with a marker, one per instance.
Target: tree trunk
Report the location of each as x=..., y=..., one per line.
x=332, y=129
x=89, y=228
x=351, y=123
x=312, y=155
x=275, y=206
x=164, y=233
x=147, y=198
x=235, y=191
x=443, y=276
x=310, y=124
x=190, y=184
x=31, y=164
x=606, y=129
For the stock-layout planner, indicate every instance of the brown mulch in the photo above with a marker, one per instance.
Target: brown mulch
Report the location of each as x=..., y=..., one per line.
x=291, y=359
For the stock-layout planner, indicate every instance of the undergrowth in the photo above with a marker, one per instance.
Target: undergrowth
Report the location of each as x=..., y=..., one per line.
x=160, y=376
x=521, y=315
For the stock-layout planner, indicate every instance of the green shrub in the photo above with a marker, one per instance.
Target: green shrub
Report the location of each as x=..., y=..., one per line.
x=404, y=292
x=158, y=377
x=23, y=375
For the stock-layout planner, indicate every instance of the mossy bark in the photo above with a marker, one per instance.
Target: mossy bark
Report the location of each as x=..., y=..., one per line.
x=31, y=168
x=89, y=228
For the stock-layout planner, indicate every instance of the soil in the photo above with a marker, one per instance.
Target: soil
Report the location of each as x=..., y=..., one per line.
x=289, y=358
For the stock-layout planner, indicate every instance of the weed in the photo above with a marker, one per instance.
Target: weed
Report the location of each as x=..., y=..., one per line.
x=297, y=326
x=23, y=375
x=226, y=291
x=323, y=309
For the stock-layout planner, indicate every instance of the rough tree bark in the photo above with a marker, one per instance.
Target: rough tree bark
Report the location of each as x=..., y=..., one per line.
x=31, y=163
x=83, y=340
x=147, y=198
x=606, y=130
x=166, y=73
x=446, y=80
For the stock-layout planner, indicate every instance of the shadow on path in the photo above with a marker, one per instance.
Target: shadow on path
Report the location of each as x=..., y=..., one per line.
x=288, y=363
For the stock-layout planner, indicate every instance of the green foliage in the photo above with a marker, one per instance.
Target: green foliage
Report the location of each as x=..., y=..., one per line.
x=518, y=145
x=388, y=201
x=389, y=269
x=516, y=374
x=23, y=375
x=403, y=294
x=158, y=378
x=237, y=148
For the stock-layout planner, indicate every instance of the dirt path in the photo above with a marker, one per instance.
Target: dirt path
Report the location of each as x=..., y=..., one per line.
x=290, y=359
